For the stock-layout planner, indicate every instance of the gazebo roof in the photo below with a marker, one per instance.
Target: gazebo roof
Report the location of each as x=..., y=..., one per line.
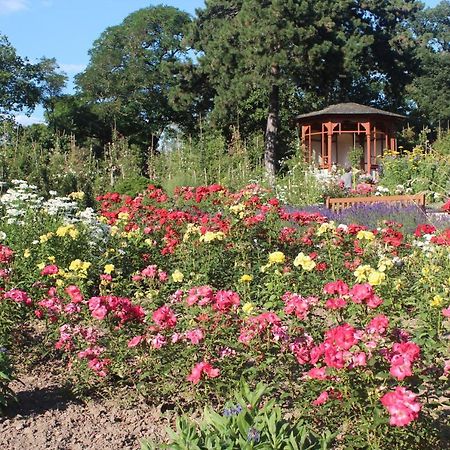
x=349, y=109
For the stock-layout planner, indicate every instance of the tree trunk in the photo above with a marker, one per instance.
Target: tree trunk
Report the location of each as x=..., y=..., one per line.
x=270, y=152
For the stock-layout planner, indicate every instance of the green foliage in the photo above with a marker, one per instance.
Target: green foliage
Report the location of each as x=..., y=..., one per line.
x=355, y=156
x=442, y=145
x=73, y=115
x=54, y=162
x=429, y=88
x=209, y=159
x=297, y=184
x=6, y=393
x=419, y=170
x=23, y=85
x=132, y=69
x=251, y=423
x=132, y=185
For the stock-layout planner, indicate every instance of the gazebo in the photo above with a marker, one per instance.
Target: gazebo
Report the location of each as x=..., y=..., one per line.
x=328, y=135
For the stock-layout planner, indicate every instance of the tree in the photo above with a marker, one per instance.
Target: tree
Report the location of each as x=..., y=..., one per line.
x=430, y=89
x=74, y=115
x=321, y=50
x=24, y=85
x=132, y=69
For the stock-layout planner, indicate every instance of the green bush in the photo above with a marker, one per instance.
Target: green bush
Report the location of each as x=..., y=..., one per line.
x=132, y=185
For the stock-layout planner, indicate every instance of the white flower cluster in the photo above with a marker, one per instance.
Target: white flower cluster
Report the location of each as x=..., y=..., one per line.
x=18, y=200
x=381, y=190
x=60, y=206
x=425, y=244
x=21, y=199
x=99, y=232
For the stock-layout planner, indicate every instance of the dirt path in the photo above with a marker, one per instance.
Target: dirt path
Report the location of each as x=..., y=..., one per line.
x=48, y=417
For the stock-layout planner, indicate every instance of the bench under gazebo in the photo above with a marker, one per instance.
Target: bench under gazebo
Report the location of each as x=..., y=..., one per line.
x=328, y=135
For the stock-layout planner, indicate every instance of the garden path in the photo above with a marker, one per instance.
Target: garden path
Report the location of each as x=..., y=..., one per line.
x=47, y=417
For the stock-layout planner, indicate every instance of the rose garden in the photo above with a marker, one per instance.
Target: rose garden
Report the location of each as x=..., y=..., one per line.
x=230, y=300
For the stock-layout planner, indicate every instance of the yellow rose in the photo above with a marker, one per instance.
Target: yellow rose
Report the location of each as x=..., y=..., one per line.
x=74, y=233
x=325, y=227
x=26, y=253
x=248, y=307
x=246, y=278
x=236, y=209
x=77, y=195
x=210, y=236
x=375, y=278
x=365, y=235
x=304, y=261
x=109, y=268
x=75, y=265
x=123, y=216
x=45, y=237
x=85, y=266
x=277, y=258
x=61, y=231
x=384, y=264
x=437, y=301
x=177, y=276
x=362, y=272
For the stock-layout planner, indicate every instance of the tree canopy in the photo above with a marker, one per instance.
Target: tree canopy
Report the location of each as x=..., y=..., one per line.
x=131, y=70
x=430, y=88
x=23, y=85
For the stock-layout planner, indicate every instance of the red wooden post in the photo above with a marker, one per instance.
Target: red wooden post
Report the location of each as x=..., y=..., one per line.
x=322, y=148
x=374, y=148
x=367, y=126
x=303, y=143
x=309, y=144
x=330, y=142
x=393, y=143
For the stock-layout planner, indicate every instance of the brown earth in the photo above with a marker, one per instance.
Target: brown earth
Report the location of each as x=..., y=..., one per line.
x=48, y=417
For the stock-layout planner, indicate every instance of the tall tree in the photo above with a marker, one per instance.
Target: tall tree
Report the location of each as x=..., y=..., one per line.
x=327, y=50
x=132, y=70
x=23, y=85
x=430, y=90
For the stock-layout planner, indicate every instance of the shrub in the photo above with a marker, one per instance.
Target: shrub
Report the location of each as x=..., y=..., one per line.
x=132, y=185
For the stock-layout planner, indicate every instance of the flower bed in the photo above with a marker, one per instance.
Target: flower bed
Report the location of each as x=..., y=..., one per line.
x=183, y=296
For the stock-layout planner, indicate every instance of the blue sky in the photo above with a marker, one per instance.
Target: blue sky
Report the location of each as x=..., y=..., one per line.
x=66, y=29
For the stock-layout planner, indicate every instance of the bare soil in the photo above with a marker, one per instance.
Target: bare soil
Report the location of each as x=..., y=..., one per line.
x=47, y=416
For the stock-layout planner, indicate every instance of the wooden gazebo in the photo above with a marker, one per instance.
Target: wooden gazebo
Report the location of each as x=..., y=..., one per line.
x=329, y=134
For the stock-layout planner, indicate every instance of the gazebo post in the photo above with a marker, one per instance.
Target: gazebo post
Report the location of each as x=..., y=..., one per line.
x=393, y=143
x=303, y=129
x=368, y=149
x=330, y=143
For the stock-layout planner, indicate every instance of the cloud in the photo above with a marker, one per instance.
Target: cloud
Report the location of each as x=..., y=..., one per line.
x=24, y=120
x=12, y=6
x=72, y=68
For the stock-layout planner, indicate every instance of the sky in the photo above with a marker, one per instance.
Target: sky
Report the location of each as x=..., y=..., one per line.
x=66, y=29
